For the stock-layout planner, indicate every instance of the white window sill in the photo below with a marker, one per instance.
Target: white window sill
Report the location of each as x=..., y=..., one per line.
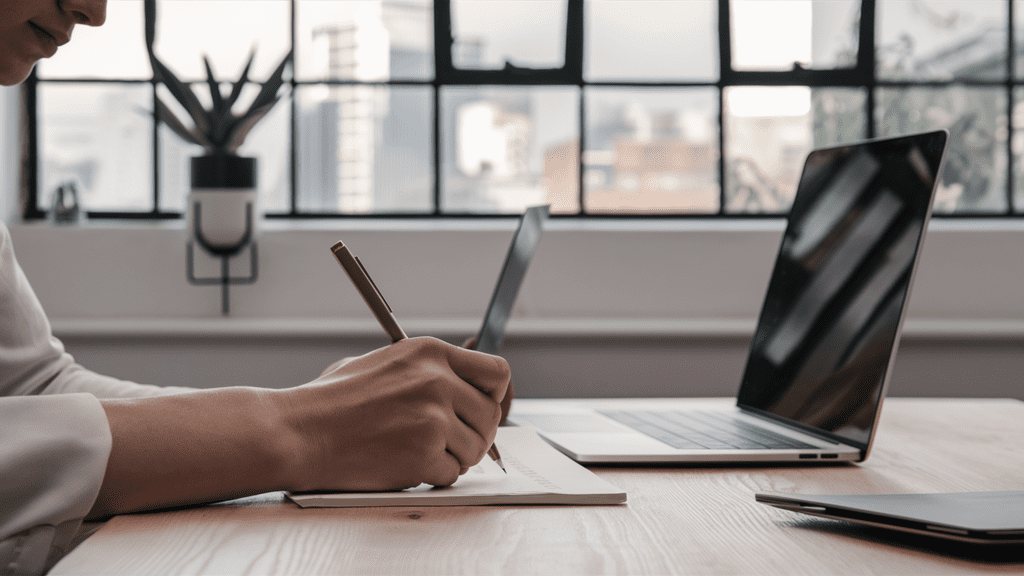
x=528, y=329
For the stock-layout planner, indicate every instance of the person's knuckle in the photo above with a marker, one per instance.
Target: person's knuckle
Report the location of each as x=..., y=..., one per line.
x=432, y=420
x=496, y=416
x=502, y=369
x=448, y=476
x=431, y=345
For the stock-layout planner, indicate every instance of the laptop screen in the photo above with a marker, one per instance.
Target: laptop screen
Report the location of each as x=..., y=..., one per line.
x=829, y=327
x=524, y=244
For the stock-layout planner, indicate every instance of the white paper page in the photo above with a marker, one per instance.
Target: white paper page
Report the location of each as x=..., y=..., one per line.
x=536, y=473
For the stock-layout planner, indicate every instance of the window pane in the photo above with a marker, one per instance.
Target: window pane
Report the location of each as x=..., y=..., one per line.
x=225, y=31
x=769, y=132
x=506, y=148
x=100, y=135
x=364, y=40
x=974, y=170
x=1018, y=22
x=115, y=50
x=268, y=142
x=651, y=40
x=365, y=149
x=775, y=35
x=651, y=150
x=527, y=33
x=840, y=116
x=941, y=39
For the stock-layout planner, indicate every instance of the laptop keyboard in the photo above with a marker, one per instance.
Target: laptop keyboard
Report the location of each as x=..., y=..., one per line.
x=698, y=430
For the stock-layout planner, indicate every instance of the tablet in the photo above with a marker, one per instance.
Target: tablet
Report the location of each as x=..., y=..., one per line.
x=524, y=245
x=975, y=517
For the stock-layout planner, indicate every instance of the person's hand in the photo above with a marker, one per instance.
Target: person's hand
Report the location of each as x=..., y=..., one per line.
x=418, y=411
x=335, y=365
x=506, y=402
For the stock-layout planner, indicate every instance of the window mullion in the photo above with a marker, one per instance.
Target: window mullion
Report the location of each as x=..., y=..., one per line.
x=293, y=159
x=866, y=60
x=724, y=72
x=156, y=151
x=1011, y=65
x=31, y=176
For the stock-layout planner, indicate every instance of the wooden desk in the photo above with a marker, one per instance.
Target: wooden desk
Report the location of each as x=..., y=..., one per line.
x=677, y=521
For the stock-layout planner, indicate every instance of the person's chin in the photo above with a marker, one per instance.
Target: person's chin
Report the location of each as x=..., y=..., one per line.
x=15, y=72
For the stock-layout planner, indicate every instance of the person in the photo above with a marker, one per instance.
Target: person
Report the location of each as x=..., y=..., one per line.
x=77, y=445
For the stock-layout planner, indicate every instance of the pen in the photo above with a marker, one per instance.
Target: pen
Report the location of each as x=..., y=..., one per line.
x=493, y=453
x=379, y=306
x=369, y=291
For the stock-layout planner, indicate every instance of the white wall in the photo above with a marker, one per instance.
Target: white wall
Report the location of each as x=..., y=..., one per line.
x=607, y=308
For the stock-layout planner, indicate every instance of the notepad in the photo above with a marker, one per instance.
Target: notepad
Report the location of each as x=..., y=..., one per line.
x=537, y=474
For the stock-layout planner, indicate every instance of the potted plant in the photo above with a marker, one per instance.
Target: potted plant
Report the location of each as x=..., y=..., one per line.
x=223, y=183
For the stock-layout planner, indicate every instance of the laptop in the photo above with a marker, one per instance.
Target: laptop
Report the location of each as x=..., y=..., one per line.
x=513, y=271
x=823, y=349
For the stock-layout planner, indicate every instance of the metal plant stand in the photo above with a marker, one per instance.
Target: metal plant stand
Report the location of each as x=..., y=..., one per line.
x=225, y=253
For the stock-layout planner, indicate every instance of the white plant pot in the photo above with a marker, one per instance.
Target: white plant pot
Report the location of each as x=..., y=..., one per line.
x=224, y=197
x=222, y=215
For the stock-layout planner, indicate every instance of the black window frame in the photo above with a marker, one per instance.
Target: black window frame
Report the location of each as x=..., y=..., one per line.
x=861, y=75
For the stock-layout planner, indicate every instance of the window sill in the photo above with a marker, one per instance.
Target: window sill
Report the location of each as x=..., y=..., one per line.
x=521, y=328
x=443, y=224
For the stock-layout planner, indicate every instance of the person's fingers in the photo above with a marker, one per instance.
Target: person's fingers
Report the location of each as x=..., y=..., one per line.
x=506, y=403
x=445, y=470
x=466, y=445
x=478, y=411
x=489, y=374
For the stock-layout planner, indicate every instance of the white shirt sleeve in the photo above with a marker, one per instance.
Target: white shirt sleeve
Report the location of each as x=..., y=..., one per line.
x=54, y=435
x=52, y=461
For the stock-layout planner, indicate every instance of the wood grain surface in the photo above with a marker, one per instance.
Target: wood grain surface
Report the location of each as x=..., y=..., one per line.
x=678, y=520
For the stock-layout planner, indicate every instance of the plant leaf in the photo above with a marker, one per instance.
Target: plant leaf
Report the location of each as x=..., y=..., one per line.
x=182, y=93
x=268, y=93
x=222, y=128
x=246, y=124
x=189, y=135
x=218, y=99
x=236, y=89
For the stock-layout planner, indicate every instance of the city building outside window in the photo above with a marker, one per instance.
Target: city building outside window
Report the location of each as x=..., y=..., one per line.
x=603, y=108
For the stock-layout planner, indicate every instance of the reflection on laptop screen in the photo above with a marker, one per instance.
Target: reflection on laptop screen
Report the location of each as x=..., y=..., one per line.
x=835, y=302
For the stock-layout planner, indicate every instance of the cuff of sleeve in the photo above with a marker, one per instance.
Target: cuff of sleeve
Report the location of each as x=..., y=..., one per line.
x=53, y=466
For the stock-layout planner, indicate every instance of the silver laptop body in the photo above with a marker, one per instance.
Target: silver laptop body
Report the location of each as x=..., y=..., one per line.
x=823, y=350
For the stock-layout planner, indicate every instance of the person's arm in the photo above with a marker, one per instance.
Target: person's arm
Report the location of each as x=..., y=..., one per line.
x=418, y=411
x=32, y=360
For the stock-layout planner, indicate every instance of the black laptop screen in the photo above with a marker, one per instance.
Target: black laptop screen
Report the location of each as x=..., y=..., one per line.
x=524, y=245
x=828, y=330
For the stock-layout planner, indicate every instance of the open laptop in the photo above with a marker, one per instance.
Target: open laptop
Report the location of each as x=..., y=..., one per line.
x=513, y=271
x=827, y=335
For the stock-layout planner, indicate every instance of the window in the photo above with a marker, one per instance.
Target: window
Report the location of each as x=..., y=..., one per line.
x=688, y=108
